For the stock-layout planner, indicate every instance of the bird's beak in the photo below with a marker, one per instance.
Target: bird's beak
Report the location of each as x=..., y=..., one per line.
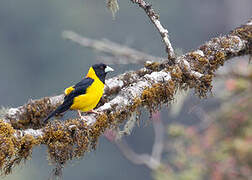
x=108, y=69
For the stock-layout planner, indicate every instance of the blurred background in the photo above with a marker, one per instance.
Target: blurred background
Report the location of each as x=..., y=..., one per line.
x=35, y=61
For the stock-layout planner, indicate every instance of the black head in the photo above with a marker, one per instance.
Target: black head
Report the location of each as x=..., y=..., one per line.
x=101, y=70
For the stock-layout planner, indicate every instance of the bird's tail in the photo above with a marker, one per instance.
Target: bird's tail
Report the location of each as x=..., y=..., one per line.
x=50, y=116
x=62, y=108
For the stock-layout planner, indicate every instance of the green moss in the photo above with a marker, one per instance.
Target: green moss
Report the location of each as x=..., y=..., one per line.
x=204, y=86
x=34, y=112
x=220, y=58
x=198, y=62
x=66, y=140
x=7, y=143
x=201, y=59
x=154, y=66
x=12, y=149
x=176, y=73
x=244, y=32
x=158, y=94
x=225, y=43
x=98, y=128
x=72, y=138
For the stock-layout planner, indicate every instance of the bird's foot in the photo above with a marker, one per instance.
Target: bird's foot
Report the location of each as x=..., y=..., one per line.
x=79, y=113
x=93, y=111
x=83, y=118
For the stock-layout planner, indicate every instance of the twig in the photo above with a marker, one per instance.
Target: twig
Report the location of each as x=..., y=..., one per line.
x=159, y=134
x=122, y=54
x=154, y=17
x=134, y=83
x=139, y=159
x=152, y=161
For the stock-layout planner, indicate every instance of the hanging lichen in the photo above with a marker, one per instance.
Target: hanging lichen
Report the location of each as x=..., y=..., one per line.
x=113, y=6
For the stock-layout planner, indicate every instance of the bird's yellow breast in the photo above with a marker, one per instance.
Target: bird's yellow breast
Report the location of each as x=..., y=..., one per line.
x=90, y=99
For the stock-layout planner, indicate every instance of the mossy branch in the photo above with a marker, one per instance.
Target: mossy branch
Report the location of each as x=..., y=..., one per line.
x=150, y=87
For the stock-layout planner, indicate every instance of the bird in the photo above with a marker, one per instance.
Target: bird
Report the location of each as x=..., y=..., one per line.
x=85, y=95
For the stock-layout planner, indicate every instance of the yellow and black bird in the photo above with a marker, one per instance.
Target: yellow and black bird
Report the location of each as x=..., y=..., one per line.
x=85, y=95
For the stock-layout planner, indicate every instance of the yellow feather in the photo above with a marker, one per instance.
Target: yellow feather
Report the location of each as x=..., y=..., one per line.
x=91, y=73
x=90, y=99
x=68, y=90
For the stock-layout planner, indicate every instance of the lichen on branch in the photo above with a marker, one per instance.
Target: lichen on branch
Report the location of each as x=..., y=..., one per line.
x=149, y=87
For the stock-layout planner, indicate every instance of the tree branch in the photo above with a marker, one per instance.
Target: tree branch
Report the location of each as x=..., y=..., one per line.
x=122, y=54
x=149, y=87
x=154, y=17
x=159, y=135
x=139, y=159
x=152, y=161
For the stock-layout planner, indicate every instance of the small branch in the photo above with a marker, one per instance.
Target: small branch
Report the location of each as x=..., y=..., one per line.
x=159, y=135
x=152, y=161
x=149, y=87
x=122, y=54
x=139, y=159
x=154, y=17
x=192, y=66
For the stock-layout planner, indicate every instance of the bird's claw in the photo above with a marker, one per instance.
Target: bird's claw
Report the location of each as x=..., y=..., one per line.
x=95, y=112
x=83, y=118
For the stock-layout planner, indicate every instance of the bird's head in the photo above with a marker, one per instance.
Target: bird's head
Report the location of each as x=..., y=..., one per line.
x=99, y=70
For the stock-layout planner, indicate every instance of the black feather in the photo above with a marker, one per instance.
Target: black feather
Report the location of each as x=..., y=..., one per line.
x=100, y=71
x=62, y=108
x=79, y=89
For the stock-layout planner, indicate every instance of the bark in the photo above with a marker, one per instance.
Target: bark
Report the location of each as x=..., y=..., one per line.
x=150, y=87
x=154, y=17
x=193, y=67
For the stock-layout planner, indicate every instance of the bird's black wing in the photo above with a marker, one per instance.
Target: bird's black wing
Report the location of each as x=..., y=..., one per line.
x=79, y=88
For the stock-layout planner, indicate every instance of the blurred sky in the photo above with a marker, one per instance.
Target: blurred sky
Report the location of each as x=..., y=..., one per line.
x=35, y=61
